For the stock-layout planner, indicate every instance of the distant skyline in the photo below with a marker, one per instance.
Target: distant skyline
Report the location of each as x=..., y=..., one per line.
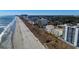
x=39, y=12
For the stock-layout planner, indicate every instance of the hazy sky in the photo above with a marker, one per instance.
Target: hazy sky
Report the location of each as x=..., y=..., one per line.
x=39, y=12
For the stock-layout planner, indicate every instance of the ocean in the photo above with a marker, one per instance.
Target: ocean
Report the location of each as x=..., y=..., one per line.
x=4, y=21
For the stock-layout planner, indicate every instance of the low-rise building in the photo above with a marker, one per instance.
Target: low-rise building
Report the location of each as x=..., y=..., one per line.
x=49, y=28
x=41, y=22
x=56, y=31
x=31, y=22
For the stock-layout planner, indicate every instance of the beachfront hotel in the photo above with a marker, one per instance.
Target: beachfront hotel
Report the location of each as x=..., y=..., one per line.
x=71, y=34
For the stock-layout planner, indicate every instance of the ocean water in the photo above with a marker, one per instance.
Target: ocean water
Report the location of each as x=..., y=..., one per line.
x=4, y=21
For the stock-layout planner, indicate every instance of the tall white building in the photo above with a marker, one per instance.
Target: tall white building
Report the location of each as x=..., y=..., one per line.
x=71, y=34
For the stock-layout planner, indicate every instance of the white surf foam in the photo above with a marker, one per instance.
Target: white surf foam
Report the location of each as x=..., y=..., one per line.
x=2, y=26
x=6, y=28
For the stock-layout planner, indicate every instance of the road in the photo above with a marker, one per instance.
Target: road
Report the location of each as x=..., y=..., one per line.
x=23, y=38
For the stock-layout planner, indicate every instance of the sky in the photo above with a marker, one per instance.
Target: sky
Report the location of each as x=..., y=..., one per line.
x=39, y=12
